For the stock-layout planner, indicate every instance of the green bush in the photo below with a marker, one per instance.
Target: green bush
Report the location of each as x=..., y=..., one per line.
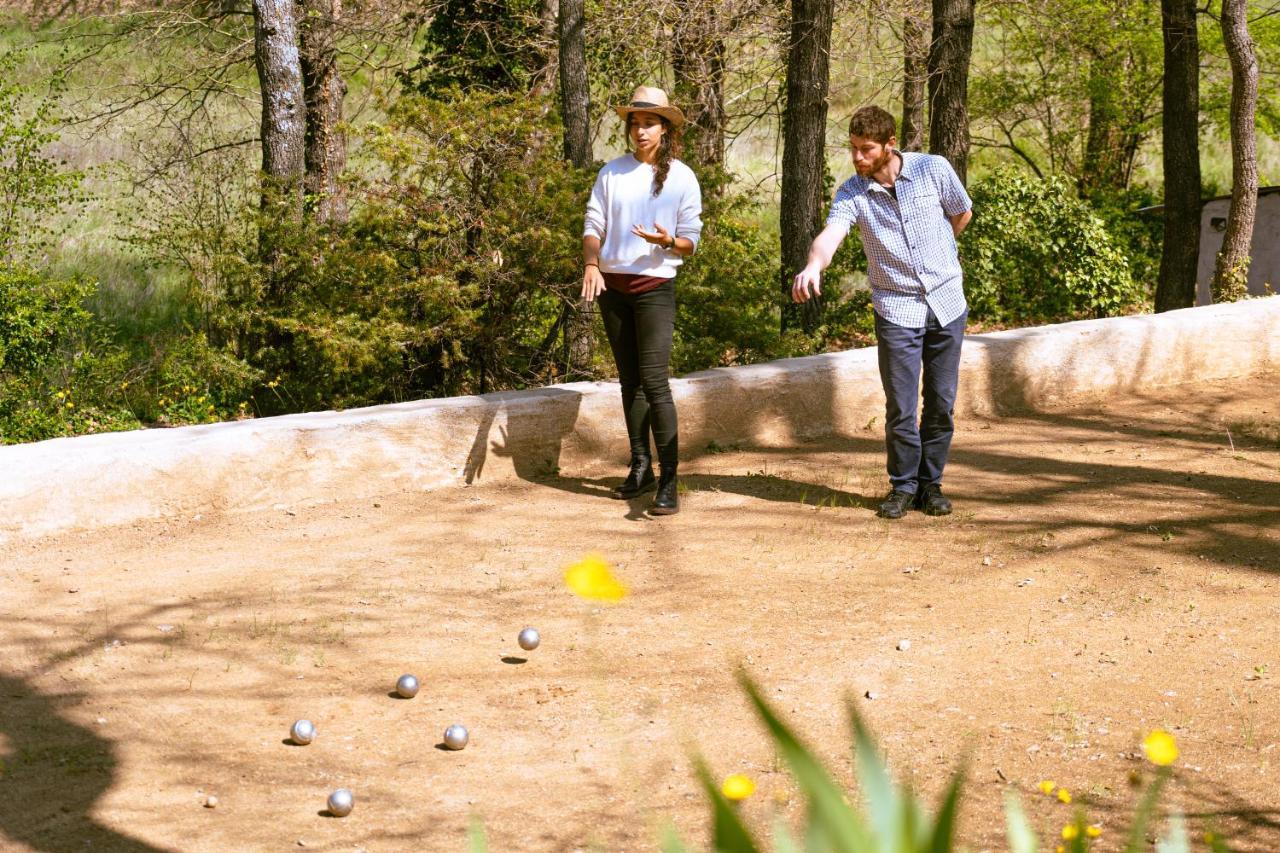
x=1037, y=253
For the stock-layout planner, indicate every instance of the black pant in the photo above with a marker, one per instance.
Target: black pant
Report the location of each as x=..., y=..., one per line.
x=640, y=328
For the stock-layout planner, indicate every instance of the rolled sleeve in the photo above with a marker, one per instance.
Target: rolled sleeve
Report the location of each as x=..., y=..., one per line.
x=689, y=216
x=594, y=225
x=951, y=192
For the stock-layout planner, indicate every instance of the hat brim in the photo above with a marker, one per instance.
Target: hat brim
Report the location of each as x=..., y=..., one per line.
x=671, y=114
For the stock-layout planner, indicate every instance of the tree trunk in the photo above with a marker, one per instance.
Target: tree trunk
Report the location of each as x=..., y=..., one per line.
x=949, y=82
x=579, y=325
x=1105, y=164
x=1181, y=251
x=573, y=84
x=275, y=34
x=804, y=129
x=548, y=58
x=1231, y=272
x=323, y=89
x=698, y=59
x=915, y=73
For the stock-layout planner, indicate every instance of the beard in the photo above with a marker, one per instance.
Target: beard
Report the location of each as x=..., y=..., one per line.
x=877, y=165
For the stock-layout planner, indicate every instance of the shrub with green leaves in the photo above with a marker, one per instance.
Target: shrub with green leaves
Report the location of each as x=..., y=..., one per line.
x=1037, y=253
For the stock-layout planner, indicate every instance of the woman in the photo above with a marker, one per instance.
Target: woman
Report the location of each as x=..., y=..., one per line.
x=631, y=269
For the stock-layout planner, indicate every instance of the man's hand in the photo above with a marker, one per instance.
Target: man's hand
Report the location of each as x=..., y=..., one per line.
x=592, y=283
x=807, y=284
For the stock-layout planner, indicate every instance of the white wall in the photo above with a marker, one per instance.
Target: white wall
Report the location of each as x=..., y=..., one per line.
x=577, y=428
x=1265, y=248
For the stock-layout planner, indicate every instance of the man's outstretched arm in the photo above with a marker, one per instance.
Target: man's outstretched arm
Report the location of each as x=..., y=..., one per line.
x=808, y=282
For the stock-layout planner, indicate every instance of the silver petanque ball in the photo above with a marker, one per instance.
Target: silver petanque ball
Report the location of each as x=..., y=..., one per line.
x=303, y=732
x=529, y=639
x=341, y=802
x=407, y=686
x=455, y=737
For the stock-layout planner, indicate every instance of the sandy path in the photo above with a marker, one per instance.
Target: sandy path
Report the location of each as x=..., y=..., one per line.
x=1106, y=572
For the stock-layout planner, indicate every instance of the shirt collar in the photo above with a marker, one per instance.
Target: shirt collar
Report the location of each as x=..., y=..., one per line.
x=904, y=174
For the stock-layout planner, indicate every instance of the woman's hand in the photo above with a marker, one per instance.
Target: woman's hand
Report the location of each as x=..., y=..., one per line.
x=659, y=236
x=592, y=283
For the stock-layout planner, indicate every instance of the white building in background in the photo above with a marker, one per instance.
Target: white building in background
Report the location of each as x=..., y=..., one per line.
x=1264, y=269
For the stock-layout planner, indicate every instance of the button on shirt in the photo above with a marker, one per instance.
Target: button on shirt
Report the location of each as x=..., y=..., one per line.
x=911, y=248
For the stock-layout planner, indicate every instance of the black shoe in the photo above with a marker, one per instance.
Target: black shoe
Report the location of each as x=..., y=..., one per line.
x=666, y=501
x=896, y=504
x=931, y=501
x=639, y=479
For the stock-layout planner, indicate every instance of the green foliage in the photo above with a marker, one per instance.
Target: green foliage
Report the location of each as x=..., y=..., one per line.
x=727, y=299
x=33, y=185
x=1037, y=253
x=36, y=315
x=453, y=276
x=485, y=44
x=1068, y=86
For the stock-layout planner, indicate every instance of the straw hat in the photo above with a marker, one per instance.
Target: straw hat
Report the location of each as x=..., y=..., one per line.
x=647, y=99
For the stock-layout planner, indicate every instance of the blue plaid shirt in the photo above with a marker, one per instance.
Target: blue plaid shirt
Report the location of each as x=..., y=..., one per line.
x=911, y=248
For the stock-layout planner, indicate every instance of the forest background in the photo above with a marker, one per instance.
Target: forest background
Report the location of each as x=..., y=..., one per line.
x=225, y=209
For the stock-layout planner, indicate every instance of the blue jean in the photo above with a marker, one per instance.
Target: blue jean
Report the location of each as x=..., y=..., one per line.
x=918, y=451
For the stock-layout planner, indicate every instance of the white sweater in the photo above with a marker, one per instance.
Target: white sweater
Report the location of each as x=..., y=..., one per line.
x=623, y=197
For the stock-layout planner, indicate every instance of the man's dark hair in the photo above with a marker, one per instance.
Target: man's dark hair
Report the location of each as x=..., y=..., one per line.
x=873, y=123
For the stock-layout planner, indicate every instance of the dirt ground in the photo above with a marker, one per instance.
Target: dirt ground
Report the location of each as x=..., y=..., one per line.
x=1107, y=571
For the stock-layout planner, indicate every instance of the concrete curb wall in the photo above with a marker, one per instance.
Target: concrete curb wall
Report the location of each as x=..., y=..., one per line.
x=117, y=478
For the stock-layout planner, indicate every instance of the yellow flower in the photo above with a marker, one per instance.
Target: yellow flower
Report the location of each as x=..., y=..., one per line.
x=1061, y=849
x=592, y=578
x=738, y=787
x=1160, y=747
x=1046, y=787
x=1093, y=831
x=1070, y=832
x=1064, y=795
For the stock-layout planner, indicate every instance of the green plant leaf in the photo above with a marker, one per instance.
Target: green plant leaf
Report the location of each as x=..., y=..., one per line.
x=891, y=814
x=1175, y=840
x=671, y=842
x=1022, y=838
x=1137, y=841
x=476, y=841
x=829, y=813
x=729, y=833
x=944, y=829
x=783, y=840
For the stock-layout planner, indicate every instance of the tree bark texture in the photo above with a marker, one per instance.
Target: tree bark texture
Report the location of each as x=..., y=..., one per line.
x=804, y=133
x=573, y=84
x=1180, y=254
x=277, y=58
x=698, y=59
x=915, y=74
x=323, y=90
x=579, y=322
x=1231, y=270
x=949, y=55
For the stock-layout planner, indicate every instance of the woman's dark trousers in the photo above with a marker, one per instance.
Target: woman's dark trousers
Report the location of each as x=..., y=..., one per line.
x=640, y=328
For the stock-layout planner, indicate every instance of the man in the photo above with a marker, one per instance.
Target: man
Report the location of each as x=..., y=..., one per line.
x=909, y=209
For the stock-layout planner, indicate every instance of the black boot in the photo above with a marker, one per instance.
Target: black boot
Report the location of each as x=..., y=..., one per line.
x=667, y=500
x=639, y=479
